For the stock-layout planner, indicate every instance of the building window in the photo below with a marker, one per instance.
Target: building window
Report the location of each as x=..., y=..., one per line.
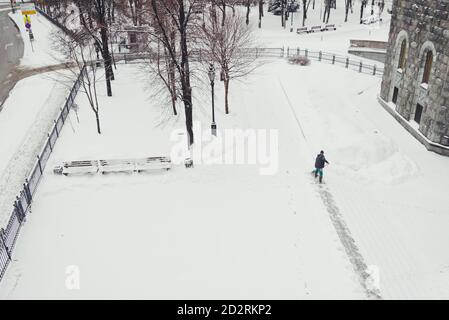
x=427, y=67
x=418, y=113
x=395, y=95
x=402, y=55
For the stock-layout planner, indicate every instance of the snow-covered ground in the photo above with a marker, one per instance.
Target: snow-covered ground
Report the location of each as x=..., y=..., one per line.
x=225, y=231
x=272, y=35
x=26, y=118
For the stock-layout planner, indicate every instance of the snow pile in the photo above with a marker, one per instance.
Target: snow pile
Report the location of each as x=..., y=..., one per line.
x=373, y=157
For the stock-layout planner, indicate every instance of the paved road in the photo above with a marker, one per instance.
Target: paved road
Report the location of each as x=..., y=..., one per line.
x=11, y=50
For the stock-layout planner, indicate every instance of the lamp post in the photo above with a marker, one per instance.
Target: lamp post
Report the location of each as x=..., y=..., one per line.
x=291, y=21
x=211, y=74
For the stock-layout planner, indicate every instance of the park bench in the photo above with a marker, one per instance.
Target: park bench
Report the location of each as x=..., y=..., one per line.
x=302, y=30
x=116, y=165
x=315, y=29
x=153, y=163
x=122, y=165
x=329, y=27
x=77, y=167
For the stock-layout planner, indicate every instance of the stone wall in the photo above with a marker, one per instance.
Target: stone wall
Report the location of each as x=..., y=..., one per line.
x=424, y=24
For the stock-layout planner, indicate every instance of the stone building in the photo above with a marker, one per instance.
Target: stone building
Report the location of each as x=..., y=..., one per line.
x=416, y=77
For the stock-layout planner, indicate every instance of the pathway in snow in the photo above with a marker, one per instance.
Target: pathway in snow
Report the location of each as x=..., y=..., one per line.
x=348, y=242
x=337, y=219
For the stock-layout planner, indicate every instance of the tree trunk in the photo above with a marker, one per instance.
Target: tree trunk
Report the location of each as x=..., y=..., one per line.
x=361, y=13
x=97, y=117
x=260, y=13
x=304, y=12
x=107, y=60
x=283, y=13
x=346, y=10
x=248, y=3
x=185, y=75
x=224, y=14
x=226, y=87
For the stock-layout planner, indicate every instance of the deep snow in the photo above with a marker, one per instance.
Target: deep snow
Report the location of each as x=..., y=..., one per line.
x=226, y=231
x=223, y=231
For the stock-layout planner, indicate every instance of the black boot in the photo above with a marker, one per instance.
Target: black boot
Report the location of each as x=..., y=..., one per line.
x=321, y=179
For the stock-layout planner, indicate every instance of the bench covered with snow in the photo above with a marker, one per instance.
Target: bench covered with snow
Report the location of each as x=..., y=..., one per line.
x=302, y=30
x=329, y=27
x=115, y=165
x=315, y=29
x=77, y=167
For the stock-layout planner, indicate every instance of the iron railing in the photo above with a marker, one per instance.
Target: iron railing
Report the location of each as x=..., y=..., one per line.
x=348, y=63
x=22, y=204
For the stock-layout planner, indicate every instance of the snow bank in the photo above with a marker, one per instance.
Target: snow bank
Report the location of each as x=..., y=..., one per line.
x=26, y=118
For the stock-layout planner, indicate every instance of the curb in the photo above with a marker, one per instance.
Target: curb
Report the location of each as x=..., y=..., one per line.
x=430, y=146
x=15, y=24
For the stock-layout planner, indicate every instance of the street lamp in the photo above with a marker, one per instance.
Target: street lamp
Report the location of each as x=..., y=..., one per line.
x=293, y=13
x=211, y=74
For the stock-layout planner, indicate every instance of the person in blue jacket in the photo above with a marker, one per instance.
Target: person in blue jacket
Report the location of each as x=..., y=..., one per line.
x=320, y=162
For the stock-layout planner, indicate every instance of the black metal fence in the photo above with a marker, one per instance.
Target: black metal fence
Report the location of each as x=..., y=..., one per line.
x=200, y=55
x=357, y=65
x=22, y=204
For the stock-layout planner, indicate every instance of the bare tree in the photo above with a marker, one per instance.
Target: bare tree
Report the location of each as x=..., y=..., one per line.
x=248, y=10
x=97, y=26
x=327, y=11
x=80, y=50
x=228, y=46
x=348, y=5
x=180, y=14
x=260, y=13
x=305, y=9
x=362, y=7
x=162, y=67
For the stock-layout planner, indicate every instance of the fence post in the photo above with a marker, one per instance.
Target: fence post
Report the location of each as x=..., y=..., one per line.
x=288, y=52
x=3, y=241
x=361, y=66
x=56, y=128
x=49, y=142
x=347, y=62
x=320, y=55
x=333, y=59
x=256, y=53
x=62, y=115
x=306, y=52
x=26, y=187
x=66, y=106
x=39, y=163
x=19, y=210
x=298, y=51
x=374, y=70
